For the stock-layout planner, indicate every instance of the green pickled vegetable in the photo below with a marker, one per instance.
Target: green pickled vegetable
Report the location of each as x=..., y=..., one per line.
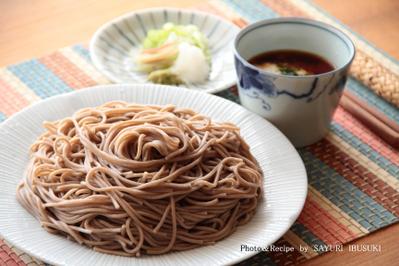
x=164, y=76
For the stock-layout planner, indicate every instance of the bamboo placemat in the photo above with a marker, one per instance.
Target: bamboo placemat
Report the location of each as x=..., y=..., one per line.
x=353, y=174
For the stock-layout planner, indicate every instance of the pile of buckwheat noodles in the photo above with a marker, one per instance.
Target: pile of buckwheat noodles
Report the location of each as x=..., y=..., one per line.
x=130, y=179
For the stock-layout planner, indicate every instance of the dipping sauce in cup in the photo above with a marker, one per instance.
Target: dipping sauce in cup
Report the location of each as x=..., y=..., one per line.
x=292, y=72
x=291, y=62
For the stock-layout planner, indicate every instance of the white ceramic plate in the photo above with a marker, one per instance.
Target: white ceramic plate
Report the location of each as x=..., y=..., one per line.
x=285, y=180
x=112, y=45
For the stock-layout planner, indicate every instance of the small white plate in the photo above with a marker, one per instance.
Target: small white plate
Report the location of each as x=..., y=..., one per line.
x=112, y=46
x=285, y=181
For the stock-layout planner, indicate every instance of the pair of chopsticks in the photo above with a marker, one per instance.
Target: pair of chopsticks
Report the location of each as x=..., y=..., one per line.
x=372, y=118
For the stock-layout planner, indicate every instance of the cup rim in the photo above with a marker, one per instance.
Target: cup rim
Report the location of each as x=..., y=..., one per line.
x=266, y=22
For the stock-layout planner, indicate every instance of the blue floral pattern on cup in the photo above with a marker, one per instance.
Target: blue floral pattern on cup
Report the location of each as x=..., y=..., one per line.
x=339, y=86
x=251, y=78
x=255, y=83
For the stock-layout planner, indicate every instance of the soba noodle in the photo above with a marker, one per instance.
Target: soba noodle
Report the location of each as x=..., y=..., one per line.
x=130, y=179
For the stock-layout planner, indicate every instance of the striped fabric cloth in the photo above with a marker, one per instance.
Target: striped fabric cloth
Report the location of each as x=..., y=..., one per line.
x=353, y=174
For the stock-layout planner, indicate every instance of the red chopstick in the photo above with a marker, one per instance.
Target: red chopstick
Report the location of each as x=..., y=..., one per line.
x=376, y=121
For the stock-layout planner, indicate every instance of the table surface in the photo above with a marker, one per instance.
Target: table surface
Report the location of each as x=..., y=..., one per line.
x=33, y=28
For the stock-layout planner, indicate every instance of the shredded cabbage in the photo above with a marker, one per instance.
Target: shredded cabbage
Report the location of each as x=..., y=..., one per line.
x=162, y=49
x=180, y=33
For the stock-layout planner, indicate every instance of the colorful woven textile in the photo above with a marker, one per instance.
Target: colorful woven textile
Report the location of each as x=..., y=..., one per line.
x=353, y=174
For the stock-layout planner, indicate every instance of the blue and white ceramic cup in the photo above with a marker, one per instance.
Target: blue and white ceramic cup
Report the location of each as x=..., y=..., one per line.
x=300, y=106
